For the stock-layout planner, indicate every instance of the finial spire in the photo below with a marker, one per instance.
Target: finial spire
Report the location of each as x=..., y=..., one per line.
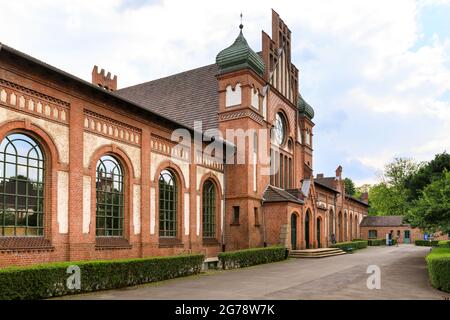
x=241, y=25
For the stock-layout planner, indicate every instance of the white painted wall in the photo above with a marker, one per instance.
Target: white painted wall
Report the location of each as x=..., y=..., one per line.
x=63, y=202
x=86, y=203
x=157, y=159
x=92, y=142
x=152, y=210
x=137, y=208
x=233, y=97
x=186, y=213
x=58, y=132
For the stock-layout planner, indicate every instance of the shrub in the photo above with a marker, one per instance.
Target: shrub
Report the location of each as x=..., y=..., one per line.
x=355, y=245
x=49, y=280
x=426, y=243
x=251, y=257
x=444, y=244
x=438, y=261
x=376, y=242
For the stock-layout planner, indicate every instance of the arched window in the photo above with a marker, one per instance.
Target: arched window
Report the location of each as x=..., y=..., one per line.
x=209, y=210
x=110, y=198
x=22, y=172
x=167, y=204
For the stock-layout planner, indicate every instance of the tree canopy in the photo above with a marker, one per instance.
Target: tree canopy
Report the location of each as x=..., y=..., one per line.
x=349, y=185
x=419, y=191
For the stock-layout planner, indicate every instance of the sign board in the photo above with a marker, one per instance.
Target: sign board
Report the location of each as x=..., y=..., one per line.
x=425, y=237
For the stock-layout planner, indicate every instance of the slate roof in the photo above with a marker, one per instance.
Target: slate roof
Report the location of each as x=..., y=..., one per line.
x=325, y=185
x=349, y=197
x=383, y=221
x=274, y=194
x=327, y=182
x=184, y=97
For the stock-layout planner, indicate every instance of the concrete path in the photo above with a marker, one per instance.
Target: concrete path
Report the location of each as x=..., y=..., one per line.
x=403, y=276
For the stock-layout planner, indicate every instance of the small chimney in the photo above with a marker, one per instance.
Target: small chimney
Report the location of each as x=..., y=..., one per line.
x=339, y=172
x=365, y=197
x=319, y=175
x=105, y=82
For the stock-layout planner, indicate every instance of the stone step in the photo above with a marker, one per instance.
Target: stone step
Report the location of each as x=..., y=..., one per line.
x=316, y=253
x=324, y=255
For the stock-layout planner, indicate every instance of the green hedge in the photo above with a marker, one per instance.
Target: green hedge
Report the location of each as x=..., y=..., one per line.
x=444, y=244
x=49, y=280
x=250, y=257
x=438, y=261
x=426, y=243
x=355, y=245
x=376, y=242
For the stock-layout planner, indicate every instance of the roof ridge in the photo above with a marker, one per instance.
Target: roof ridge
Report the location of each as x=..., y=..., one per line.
x=165, y=77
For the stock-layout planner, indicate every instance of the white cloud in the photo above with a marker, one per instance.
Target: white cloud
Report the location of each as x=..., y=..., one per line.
x=359, y=61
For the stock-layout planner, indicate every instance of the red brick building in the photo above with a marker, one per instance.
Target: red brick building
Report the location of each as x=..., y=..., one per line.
x=377, y=227
x=91, y=172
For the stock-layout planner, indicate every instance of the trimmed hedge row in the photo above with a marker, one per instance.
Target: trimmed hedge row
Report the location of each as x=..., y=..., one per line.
x=444, y=244
x=376, y=242
x=251, y=257
x=438, y=261
x=50, y=280
x=426, y=243
x=355, y=245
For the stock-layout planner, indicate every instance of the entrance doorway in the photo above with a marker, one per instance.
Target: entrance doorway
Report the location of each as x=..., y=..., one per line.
x=293, y=232
x=407, y=236
x=318, y=233
x=307, y=219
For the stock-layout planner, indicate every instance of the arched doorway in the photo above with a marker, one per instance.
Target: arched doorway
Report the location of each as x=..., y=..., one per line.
x=330, y=226
x=339, y=227
x=344, y=238
x=351, y=227
x=307, y=220
x=318, y=232
x=293, y=231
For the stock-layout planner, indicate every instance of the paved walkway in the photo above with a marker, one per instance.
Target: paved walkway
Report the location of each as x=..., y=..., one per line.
x=403, y=276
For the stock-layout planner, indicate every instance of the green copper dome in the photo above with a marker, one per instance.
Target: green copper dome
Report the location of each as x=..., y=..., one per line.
x=238, y=56
x=304, y=108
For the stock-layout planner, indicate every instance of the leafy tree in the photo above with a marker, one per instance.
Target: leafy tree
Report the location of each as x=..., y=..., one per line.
x=349, y=186
x=427, y=173
x=397, y=172
x=432, y=210
x=386, y=200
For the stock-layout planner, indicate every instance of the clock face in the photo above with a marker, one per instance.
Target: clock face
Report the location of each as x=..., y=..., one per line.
x=279, y=129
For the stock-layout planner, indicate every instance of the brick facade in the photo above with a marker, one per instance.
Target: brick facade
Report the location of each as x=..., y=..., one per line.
x=76, y=123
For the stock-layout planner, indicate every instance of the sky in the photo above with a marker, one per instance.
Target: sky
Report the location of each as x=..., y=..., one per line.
x=376, y=72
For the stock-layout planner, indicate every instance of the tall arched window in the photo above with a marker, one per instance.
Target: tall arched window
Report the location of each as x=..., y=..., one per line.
x=167, y=204
x=209, y=210
x=22, y=172
x=110, y=197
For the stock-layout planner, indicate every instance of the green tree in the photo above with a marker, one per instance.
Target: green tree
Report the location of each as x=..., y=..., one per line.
x=386, y=200
x=432, y=210
x=397, y=172
x=349, y=186
x=427, y=173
